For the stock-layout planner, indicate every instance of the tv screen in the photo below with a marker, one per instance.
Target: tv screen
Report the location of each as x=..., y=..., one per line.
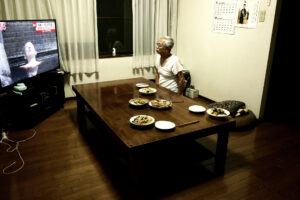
x=27, y=48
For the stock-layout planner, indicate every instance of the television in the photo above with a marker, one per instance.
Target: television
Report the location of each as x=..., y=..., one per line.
x=28, y=48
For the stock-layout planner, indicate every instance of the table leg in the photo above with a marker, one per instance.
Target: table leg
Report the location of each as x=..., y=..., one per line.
x=81, y=114
x=221, y=152
x=136, y=167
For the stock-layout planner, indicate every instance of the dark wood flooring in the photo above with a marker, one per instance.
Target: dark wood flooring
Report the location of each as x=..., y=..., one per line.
x=63, y=163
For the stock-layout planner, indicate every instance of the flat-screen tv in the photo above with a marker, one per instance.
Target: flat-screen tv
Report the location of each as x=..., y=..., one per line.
x=27, y=48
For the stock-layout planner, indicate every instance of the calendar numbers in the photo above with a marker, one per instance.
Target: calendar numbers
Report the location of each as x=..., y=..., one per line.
x=224, y=16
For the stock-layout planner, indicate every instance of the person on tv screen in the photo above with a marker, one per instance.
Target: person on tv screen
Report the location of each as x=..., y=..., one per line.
x=30, y=55
x=5, y=73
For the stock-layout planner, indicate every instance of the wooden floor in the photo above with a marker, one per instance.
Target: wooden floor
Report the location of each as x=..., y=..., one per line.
x=63, y=163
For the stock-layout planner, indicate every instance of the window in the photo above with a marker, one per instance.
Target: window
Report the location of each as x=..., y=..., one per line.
x=114, y=19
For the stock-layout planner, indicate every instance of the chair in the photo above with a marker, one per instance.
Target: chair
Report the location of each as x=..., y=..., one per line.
x=187, y=79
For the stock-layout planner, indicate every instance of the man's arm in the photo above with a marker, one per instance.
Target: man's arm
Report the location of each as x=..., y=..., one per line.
x=156, y=78
x=180, y=82
x=30, y=65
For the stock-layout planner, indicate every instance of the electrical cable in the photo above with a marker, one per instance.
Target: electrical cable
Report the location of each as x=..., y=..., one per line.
x=9, y=150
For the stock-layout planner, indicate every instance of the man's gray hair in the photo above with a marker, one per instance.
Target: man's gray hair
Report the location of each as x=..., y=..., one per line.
x=169, y=42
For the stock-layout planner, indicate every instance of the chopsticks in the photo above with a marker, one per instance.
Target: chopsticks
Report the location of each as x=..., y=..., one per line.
x=188, y=123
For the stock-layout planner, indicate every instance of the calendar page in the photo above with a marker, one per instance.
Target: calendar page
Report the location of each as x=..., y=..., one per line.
x=224, y=16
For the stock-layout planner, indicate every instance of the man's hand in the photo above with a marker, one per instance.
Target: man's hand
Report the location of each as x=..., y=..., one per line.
x=157, y=78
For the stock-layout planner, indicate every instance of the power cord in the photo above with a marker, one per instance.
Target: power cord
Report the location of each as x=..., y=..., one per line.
x=5, y=140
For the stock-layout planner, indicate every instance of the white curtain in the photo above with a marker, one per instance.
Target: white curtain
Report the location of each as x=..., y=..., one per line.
x=152, y=19
x=76, y=28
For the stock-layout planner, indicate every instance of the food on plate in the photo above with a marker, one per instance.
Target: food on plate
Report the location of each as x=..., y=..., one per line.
x=142, y=120
x=218, y=112
x=138, y=101
x=160, y=103
x=148, y=90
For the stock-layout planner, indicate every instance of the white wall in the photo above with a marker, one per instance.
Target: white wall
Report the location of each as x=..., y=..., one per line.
x=224, y=67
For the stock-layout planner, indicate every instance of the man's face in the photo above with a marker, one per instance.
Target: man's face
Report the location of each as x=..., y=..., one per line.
x=29, y=50
x=160, y=47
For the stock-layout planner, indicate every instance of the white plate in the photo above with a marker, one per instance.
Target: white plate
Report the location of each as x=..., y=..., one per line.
x=147, y=91
x=211, y=112
x=152, y=120
x=164, y=125
x=138, y=101
x=142, y=85
x=197, y=109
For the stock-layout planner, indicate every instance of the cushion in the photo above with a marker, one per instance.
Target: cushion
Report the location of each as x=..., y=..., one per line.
x=244, y=122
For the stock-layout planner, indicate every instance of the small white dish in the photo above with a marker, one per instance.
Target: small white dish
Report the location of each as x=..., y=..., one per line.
x=142, y=85
x=197, y=109
x=164, y=125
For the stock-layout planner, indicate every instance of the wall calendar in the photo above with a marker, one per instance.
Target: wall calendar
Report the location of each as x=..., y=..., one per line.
x=224, y=16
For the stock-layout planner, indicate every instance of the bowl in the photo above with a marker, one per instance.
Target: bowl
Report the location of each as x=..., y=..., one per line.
x=218, y=113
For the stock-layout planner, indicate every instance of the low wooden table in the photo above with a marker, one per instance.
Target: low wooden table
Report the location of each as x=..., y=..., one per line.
x=109, y=103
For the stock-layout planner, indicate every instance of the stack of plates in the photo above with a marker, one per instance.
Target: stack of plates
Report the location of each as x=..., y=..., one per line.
x=142, y=85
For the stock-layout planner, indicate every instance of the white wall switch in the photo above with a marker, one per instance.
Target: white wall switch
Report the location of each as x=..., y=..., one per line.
x=262, y=15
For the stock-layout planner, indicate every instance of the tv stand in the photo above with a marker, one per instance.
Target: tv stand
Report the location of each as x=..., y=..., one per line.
x=24, y=109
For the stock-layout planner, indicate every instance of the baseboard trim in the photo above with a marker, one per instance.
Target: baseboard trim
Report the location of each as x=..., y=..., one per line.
x=206, y=99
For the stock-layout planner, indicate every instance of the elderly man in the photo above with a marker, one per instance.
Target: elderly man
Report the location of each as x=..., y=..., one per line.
x=168, y=67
